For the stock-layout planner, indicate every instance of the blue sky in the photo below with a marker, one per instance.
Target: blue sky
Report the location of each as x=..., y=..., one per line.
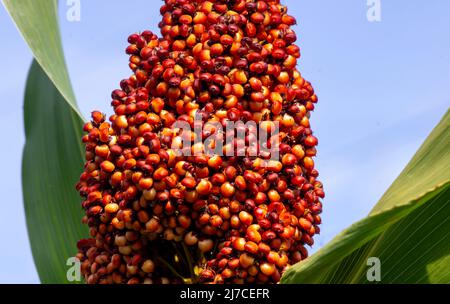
x=383, y=86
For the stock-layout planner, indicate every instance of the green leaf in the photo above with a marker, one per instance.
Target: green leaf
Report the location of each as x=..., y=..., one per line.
x=37, y=21
x=408, y=230
x=52, y=162
x=53, y=155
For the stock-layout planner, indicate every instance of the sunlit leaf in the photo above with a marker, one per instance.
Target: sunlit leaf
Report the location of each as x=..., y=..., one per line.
x=37, y=21
x=408, y=230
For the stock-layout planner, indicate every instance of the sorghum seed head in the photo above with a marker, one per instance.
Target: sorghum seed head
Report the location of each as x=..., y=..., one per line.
x=249, y=217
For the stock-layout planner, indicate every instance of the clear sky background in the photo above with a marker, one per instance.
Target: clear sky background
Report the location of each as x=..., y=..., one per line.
x=383, y=86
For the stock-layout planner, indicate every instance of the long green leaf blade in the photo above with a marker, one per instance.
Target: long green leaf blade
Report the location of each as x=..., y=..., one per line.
x=52, y=160
x=430, y=167
x=37, y=21
x=409, y=230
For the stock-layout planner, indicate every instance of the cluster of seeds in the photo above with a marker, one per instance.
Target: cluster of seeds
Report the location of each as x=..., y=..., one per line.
x=156, y=216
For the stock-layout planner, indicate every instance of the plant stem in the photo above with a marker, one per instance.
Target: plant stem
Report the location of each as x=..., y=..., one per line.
x=173, y=270
x=189, y=260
